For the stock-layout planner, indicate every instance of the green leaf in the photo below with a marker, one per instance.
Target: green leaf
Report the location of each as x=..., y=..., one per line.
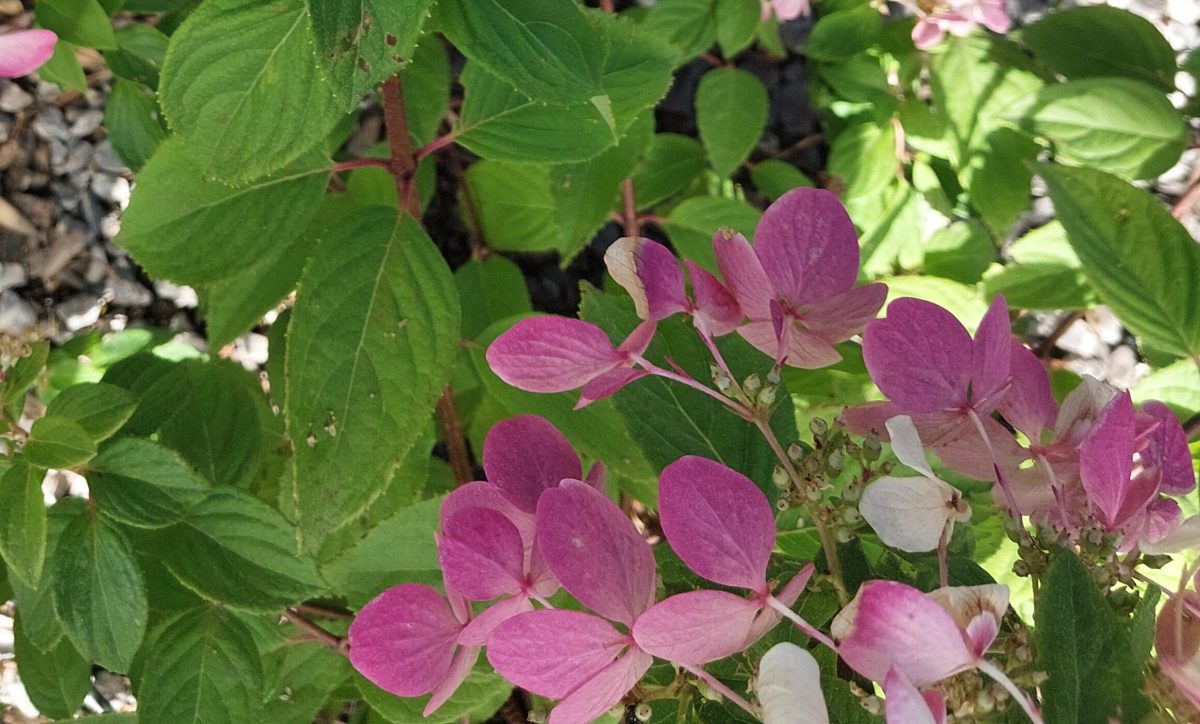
x=731, y=113
x=56, y=678
x=183, y=227
x=1045, y=273
x=22, y=373
x=1142, y=262
x=35, y=599
x=363, y=42
x=371, y=343
x=481, y=694
x=139, y=55
x=999, y=176
x=23, y=521
x=550, y=51
x=99, y=592
x=366, y=569
x=1177, y=385
x=864, y=158
x=689, y=25
x=203, y=667
x=844, y=34
x=237, y=550
x=1114, y=124
x=669, y=420
x=63, y=68
x=241, y=83
x=133, y=123
x=737, y=24
x=516, y=210
x=58, y=442
x=1102, y=41
x=961, y=251
x=691, y=225
x=140, y=483
x=489, y=289
x=98, y=408
x=500, y=123
x=671, y=164
x=426, y=86
x=961, y=300
x=306, y=677
x=774, y=178
x=81, y=22
x=1084, y=648
x=209, y=413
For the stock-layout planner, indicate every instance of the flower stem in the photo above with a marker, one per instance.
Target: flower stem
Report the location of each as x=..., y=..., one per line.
x=1001, y=479
x=1000, y=677
x=657, y=371
x=362, y=163
x=800, y=623
x=720, y=688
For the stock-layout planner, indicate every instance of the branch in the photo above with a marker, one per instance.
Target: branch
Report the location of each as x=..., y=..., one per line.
x=318, y=634
x=629, y=204
x=452, y=434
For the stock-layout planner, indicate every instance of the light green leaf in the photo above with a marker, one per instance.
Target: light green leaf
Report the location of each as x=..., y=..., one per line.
x=689, y=25
x=1142, y=262
x=960, y=251
x=864, y=158
x=23, y=521
x=98, y=408
x=670, y=165
x=1177, y=385
x=56, y=678
x=63, y=68
x=489, y=289
x=999, y=176
x=1102, y=41
x=182, y=227
x=140, y=483
x=516, y=210
x=1045, y=273
x=844, y=34
x=426, y=85
x=204, y=668
x=241, y=83
x=961, y=300
x=237, y=550
x=731, y=113
x=99, y=592
x=774, y=178
x=737, y=24
x=133, y=123
x=58, y=442
x=497, y=122
x=483, y=692
x=691, y=225
x=549, y=50
x=81, y=22
x=371, y=344
x=1114, y=124
x=363, y=42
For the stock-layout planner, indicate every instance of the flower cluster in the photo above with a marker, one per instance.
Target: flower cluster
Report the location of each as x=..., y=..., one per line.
x=958, y=17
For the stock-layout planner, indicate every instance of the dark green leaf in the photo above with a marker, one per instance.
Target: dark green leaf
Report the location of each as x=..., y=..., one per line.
x=774, y=178
x=670, y=165
x=35, y=600
x=183, y=227
x=99, y=592
x=426, y=84
x=1114, y=124
x=203, y=667
x=845, y=33
x=549, y=51
x=363, y=42
x=1084, y=648
x=1142, y=262
x=23, y=521
x=56, y=678
x=98, y=408
x=81, y=22
x=737, y=23
x=58, y=442
x=133, y=123
x=370, y=347
x=139, y=55
x=731, y=112
x=488, y=290
x=689, y=25
x=141, y=483
x=242, y=84
x=237, y=550
x=306, y=676
x=1102, y=41
x=21, y=375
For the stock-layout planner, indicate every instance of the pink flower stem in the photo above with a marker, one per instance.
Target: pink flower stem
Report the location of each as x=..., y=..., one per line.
x=801, y=624
x=828, y=544
x=1001, y=678
x=435, y=145
x=720, y=688
x=361, y=163
x=1059, y=504
x=657, y=371
x=539, y=598
x=1001, y=480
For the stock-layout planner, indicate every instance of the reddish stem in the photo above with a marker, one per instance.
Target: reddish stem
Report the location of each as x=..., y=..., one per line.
x=354, y=163
x=629, y=204
x=435, y=145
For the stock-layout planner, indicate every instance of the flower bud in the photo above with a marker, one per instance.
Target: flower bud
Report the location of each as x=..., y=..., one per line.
x=773, y=377
x=851, y=516
x=780, y=479
x=871, y=449
x=818, y=426
x=1021, y=568
x=752, y=384
x=766, y=397
x=643, y=712
x=782, y=505
x=836, y=462
x=853, y=492
x=843, y=535
x=796, y=452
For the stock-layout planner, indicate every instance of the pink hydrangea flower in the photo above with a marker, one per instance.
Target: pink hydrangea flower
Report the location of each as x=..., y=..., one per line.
x=24, y=51
x=960, y=18
x=785, y=9
x=1177, y=640
x=797, y=283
